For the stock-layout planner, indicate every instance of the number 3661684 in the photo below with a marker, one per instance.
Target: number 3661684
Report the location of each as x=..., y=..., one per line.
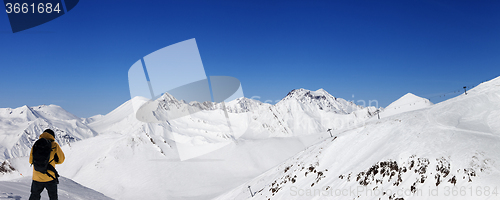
x=38, y=8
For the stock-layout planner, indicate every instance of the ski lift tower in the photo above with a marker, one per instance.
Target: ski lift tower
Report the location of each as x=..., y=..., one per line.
x=377, y=112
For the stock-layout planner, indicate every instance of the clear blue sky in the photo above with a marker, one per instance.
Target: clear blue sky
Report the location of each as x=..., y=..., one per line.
x=374, y=50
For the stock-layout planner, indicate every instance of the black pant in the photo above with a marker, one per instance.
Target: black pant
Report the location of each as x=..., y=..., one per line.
x=37, y=188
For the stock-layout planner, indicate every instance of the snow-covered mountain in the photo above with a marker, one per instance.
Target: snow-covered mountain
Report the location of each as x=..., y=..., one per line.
x=301, y=112
x=446, y=151
x=307, y=112
x=20, y=128
x=408, y=102
x=320, y=100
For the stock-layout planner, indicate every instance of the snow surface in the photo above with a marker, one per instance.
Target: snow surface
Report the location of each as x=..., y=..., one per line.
x=67, y=190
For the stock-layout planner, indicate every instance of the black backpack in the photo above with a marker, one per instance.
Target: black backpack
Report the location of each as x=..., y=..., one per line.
x=41, y=157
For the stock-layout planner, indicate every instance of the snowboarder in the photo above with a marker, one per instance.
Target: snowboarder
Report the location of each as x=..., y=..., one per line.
x=44, y=173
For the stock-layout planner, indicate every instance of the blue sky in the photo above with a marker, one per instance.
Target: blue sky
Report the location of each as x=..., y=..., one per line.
x=374, y=50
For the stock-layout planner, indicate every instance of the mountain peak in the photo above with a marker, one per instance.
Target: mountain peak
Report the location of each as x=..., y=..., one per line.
x=320, y=99
x=408, y=99
x=300, y=93
x=406, y=103
x=168, y=97
x=410, y=95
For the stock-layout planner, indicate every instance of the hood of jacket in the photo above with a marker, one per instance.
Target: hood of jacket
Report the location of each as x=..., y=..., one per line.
x=47, y=136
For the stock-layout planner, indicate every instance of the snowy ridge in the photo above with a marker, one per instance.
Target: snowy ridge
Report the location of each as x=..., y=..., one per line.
x=412, y=155
x=304, y=112
x=322, y=100
x=20, y=128
x=408, y=102
x=301, y=112
x=243, y=104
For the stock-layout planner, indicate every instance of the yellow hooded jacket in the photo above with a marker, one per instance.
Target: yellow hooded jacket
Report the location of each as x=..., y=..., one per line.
x=56, y=149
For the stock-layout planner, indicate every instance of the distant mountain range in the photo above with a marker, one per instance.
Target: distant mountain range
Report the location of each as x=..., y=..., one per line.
x=300, y=112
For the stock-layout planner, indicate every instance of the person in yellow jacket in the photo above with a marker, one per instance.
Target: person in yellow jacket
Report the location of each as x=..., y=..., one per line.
x=41, y=180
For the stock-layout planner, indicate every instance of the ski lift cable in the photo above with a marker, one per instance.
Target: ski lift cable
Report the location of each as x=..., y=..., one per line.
x=457, y=92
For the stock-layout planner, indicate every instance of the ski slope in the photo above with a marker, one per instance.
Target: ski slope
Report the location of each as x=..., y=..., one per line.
x=446, y=151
